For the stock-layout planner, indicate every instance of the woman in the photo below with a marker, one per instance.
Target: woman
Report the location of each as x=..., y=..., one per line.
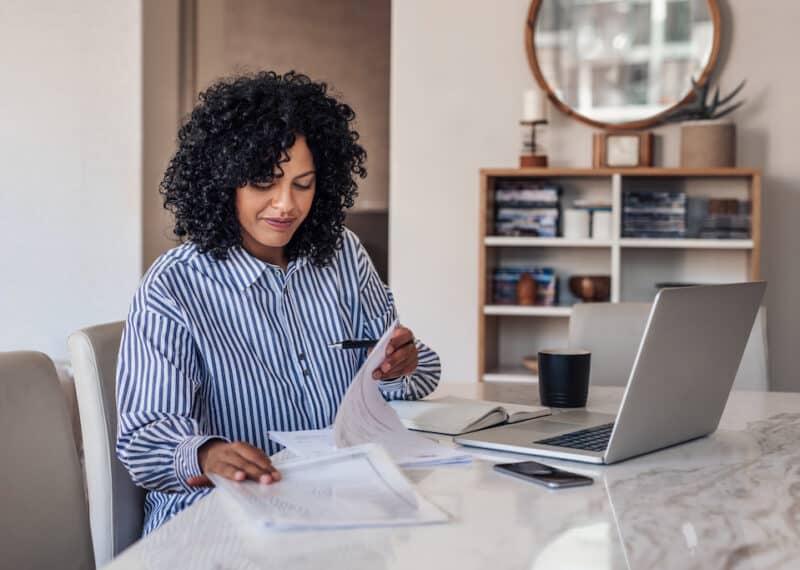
x=227, y=336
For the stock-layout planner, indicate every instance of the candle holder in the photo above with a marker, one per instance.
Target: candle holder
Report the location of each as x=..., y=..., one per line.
x=532, y=153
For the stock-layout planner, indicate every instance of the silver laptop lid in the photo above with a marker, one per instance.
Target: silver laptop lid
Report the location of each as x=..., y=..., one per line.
x=685, y=367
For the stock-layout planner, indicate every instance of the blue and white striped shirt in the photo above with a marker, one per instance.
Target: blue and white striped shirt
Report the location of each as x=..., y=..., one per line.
x=233, y=349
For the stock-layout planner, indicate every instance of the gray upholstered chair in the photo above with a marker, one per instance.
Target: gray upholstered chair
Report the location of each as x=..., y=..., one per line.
x=116, y=505
x=44, y=522
x=613, y=331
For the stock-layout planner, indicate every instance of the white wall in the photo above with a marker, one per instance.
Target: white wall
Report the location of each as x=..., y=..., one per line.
x=70, y=167
x=458, y=72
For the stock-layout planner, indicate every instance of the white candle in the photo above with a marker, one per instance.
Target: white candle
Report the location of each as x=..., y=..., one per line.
x=533, y=105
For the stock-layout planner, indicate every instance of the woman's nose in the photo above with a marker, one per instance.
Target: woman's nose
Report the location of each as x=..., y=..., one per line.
x=283, y=199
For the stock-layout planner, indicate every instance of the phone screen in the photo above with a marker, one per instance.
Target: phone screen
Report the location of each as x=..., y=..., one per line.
x=544, y=474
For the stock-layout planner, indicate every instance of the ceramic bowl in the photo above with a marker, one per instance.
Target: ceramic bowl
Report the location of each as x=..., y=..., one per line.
x=531, y=363
x=591, y=288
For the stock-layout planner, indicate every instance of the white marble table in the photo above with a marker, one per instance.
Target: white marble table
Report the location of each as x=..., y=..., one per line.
x=731, y=500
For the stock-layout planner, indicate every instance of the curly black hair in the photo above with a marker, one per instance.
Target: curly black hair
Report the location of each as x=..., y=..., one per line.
x=239, y=133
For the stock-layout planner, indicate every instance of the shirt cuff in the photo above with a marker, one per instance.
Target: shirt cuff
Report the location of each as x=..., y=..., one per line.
x=392, y=386
x=186, y=464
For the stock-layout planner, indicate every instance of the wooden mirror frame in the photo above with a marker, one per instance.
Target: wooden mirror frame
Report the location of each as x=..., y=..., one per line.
x=530, y=26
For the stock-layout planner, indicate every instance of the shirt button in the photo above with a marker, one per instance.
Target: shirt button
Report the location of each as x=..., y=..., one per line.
x=301, y=356
x=306, y=373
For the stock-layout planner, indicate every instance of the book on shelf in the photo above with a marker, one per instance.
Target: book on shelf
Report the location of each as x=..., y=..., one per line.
x=505, y=279
x=453, y=416
x=657, y=214
x=712, y=218
x=540, y=222
x=527, y=208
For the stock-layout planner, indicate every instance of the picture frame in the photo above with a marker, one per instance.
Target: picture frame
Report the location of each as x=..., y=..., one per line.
x=622, y=149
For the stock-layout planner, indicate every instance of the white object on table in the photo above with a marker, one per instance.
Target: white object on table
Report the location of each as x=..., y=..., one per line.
x=451, y=415
x=365, y=417
x=576, y=224
x=406, y=452
x=355, y=487
x=601, y=224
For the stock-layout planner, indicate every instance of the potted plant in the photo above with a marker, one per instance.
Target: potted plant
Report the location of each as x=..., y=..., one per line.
x=708, y=139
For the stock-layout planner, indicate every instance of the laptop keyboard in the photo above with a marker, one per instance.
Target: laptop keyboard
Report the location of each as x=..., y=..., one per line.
x=591, y=439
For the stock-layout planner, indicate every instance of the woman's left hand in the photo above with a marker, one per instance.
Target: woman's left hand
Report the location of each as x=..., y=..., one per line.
x=401, y=356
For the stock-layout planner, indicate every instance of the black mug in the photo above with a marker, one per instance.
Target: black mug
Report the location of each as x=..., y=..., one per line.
x=564, y=377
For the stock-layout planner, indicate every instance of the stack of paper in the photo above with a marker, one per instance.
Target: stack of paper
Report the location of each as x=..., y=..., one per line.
x=365, y=417
x=356, y=487
x=406, y=452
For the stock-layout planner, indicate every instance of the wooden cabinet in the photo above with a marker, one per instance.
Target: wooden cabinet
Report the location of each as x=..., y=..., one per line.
x=508, y=333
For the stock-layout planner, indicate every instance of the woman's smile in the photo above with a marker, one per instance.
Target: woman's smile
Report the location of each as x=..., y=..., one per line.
x=279, y=224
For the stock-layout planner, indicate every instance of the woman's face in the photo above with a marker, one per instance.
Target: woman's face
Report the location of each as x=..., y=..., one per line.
x=269, y=214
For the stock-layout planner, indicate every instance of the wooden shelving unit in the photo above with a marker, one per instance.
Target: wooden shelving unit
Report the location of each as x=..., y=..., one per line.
x=516, y=311
x=506, y=333
x=511, y=241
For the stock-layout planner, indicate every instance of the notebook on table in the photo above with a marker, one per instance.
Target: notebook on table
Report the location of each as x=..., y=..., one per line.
x=451, y=415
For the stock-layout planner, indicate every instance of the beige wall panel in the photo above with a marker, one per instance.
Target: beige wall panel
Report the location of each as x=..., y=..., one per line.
x=161, y=118
x=345, y=43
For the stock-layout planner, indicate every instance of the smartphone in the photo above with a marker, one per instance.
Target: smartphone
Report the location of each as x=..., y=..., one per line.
x=543, y=474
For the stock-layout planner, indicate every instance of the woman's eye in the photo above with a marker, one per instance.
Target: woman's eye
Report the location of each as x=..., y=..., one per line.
x=262, y=186
x=302, y=186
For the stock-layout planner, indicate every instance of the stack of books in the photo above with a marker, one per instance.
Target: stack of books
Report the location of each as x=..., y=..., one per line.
x=712, y=218
x=659, y=214
x=527, y=208
x=505, y=279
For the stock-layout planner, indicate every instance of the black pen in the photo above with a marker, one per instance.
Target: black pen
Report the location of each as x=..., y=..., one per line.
x=351, y=344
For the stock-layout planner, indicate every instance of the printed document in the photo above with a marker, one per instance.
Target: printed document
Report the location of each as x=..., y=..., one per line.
x=365, y=417
x=355, y=487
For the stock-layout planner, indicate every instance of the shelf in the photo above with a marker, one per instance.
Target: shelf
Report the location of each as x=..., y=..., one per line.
x=513, y=241
x=511, y=374
x=668, y=243
x=608, y=172
x=506, y=333
x=548, y=172
x=525, y=311
x=687, y=243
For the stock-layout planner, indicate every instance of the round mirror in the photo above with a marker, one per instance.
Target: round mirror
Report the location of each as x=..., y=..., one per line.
x=621, y=63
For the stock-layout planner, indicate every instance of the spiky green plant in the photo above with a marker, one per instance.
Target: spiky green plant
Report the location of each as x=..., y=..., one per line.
x=699, y=108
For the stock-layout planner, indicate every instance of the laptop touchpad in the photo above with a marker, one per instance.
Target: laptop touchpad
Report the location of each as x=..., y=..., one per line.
x=550, y=426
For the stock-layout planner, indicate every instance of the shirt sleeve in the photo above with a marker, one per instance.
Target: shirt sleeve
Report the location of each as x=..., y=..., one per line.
x=379, y=309
x=158, y=378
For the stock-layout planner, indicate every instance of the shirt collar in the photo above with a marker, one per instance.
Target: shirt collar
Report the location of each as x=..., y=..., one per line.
x=244, y=269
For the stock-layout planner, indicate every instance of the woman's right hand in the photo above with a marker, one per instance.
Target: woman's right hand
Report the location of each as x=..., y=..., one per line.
x=236, y=461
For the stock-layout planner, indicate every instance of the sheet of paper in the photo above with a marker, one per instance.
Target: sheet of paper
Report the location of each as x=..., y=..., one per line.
x=415, y=451
x=354, y=487
x=305, y=443
x=364, y=416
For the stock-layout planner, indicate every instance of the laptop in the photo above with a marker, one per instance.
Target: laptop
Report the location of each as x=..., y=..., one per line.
x=676, y=391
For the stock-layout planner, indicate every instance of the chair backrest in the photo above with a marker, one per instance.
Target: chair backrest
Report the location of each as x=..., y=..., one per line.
x=44, y=522
x=613, y=331
x=116, y=505
x=753, y=371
